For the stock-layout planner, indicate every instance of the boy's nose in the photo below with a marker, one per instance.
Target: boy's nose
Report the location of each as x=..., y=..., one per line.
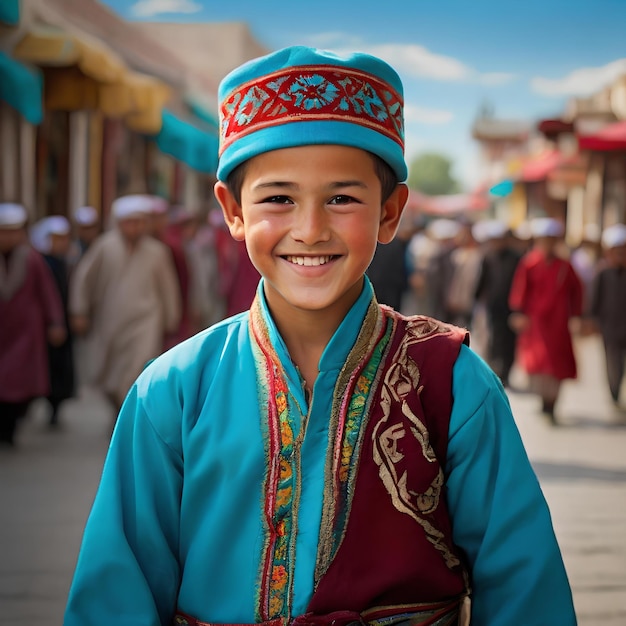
x=310, y=225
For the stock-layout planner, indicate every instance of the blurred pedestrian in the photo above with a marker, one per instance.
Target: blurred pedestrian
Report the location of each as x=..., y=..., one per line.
x=466, y=259
x=87, y=226
x=31, y=315
x=51, y=236
x=608, y=305
x=585, y=257
x=441, y=267
x=492, y=290
x=546, y=294
x=124, y=294
x=389, y=272
x=162, y=229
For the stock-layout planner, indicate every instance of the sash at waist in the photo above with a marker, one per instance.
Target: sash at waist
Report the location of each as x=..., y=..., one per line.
x=423, y=614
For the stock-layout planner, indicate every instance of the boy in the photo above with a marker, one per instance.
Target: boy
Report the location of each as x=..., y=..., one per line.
x=288, y=464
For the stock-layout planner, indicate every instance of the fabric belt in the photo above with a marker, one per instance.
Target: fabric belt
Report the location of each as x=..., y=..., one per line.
x=425, y=614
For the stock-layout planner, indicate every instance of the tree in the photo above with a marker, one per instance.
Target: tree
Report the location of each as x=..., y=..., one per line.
x=430, y=173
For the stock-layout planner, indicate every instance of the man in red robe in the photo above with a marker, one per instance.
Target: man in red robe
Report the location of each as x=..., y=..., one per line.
x=31, y=314
x=546, y=294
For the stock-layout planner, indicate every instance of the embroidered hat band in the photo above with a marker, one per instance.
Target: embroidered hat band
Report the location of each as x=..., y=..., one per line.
x=302, y=96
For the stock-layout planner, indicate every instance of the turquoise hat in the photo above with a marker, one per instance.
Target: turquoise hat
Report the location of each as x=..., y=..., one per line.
x=301, y=96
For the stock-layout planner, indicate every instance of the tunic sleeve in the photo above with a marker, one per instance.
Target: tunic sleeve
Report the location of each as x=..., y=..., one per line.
x=500, y=517
x=127, y=565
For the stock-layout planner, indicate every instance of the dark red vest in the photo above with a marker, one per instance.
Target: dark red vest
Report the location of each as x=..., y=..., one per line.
x=397, y=546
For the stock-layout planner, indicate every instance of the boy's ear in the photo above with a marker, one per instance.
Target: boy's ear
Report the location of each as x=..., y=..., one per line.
x=392, y=212
x=233, y=214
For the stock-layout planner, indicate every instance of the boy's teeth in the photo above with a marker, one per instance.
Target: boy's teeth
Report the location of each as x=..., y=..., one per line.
x=309, y=260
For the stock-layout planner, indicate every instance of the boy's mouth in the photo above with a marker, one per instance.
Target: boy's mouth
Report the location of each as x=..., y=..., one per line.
x=309, y=260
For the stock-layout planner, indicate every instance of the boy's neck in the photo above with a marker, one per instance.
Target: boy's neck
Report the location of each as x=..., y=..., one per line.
x=306, y=335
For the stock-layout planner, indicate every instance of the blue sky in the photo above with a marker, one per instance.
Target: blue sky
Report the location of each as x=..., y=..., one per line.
x=525, y=58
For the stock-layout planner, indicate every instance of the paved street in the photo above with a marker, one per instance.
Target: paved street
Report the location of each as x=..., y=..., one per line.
x=47, y=486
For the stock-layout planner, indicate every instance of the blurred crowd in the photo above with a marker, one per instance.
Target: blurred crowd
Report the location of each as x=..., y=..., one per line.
x=82, y=303
x=85, y=305
x=522, y=292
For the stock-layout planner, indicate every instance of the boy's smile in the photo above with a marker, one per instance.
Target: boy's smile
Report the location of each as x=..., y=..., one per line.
x=311, y=217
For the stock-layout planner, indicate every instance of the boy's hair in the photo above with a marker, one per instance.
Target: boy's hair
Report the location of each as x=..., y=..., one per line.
x=384, y=172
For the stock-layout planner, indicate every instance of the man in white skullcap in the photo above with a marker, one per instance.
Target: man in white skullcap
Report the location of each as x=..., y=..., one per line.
x=51, y=236
x=124, y=298
x=440, y=270
x=545, y=295
x=492, y=291
x=31, y=317
x=87, y=227
x=608, y=305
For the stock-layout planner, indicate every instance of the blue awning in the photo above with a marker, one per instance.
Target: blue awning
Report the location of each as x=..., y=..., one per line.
x=188, y=143
x=10, y=12
x=22, y=88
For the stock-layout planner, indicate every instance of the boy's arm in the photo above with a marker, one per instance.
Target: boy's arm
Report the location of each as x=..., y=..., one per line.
x=499, y=514
x=127, y=566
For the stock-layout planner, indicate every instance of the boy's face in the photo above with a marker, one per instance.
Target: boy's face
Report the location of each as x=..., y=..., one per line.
x=311, y=217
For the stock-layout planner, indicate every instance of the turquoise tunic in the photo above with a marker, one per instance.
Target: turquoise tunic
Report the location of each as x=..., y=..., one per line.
x=177, y=520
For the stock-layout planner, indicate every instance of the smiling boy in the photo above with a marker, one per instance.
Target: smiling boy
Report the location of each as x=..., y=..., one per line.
x=319, y=459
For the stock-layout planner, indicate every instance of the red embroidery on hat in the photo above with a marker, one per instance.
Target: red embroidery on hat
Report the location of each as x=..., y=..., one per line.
x=312, y=93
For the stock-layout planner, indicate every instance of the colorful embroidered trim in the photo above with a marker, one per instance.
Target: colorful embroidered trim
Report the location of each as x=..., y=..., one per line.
x=283, y=427
x=353, y=392
x=312, y=93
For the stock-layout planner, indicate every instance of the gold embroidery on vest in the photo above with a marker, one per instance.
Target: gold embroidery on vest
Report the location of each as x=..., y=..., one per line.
x=401, y=381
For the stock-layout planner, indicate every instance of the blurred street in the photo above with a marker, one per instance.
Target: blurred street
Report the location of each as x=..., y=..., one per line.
x=48, y=482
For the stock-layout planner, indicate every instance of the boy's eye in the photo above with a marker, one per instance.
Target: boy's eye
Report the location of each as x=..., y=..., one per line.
x=342, y=199
x=277, y=200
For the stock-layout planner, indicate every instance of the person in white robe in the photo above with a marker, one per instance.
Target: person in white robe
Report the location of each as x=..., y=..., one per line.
x=123, y=299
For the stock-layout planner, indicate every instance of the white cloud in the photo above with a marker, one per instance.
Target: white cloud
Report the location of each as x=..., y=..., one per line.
x=150, y=8
x=580, y=82
x=423, y=115
x=409, y=60
x=497, y=78
x=417, y=61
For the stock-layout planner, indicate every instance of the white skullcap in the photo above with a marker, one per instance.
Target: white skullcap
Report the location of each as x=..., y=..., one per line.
x=132, y=206
x=485, y=230
x=41, y=231
x=546, y=227
x=159, y=205
x=86, y=216
x=614, y=236
x=443, y=229
x=12, y=215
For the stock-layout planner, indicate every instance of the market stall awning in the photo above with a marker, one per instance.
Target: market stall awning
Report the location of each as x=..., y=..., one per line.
x=454, y=204
x=22, y=88
x=537, y=168
x=608, y=139
x=193, y=146
x=10, y=12
x=53, y=48
x=138, y=98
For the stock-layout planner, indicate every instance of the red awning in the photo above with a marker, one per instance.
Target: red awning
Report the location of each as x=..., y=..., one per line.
x=538, y=167
x=611, y=137
x=454, y=204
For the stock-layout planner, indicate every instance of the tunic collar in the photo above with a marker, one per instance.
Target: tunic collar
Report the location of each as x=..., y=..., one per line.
x=340, y=344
